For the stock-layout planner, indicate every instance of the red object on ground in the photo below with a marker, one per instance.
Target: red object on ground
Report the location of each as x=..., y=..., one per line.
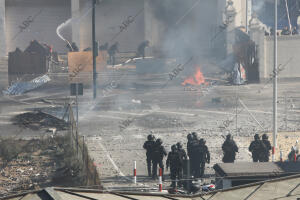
x=160, y=180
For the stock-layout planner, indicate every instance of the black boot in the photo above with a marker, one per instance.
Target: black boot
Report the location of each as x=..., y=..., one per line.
x=149, y=170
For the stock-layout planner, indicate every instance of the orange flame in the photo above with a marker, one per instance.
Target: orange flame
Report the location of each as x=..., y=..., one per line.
x=196, y=79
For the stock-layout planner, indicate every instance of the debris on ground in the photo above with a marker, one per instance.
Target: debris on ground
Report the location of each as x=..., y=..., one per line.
x=36, y=164
x=22, y=87
x=39, y=120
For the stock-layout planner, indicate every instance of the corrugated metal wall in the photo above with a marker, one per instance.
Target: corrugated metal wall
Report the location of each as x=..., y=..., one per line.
x=50, y=14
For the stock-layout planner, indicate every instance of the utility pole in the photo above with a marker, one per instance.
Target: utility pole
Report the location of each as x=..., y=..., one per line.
x=94, y=51
x=275, y=86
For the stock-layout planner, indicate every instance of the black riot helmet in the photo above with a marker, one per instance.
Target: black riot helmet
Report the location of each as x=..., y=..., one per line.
x=159, y=141
x=195, y=135
x=189, y=137
x=202, y=141
x=173, y=148
x=264, y=137
x=228, y=137
x=256, y=137
x=149, y=137
x=179, y=145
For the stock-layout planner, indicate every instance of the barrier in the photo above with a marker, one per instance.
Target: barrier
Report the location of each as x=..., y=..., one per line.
x=160, y=180
x=134, y=173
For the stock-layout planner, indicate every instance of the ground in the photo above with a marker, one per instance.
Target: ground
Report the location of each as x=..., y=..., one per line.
x=154, y=104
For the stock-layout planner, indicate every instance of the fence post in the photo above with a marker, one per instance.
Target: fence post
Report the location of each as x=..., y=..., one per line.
x=160, y=180
x=134, y=173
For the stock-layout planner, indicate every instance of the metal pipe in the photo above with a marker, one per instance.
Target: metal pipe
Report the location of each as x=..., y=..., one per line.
x=275, y=86
x=94, y=51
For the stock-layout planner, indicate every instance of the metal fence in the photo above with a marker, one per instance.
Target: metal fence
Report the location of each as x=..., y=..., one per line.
x=80, y=150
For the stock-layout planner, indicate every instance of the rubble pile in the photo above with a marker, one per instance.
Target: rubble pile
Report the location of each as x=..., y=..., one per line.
x=39, y=163
x=39, y=120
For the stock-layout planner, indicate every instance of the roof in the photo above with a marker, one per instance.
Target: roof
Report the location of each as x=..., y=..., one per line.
x=282, y=188
x=261, y=169
x=82, y=194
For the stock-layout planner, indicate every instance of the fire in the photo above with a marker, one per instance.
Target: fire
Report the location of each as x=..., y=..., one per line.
x=196, y=79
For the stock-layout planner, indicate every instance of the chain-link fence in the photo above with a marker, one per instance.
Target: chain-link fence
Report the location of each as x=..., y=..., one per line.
x=80, y=149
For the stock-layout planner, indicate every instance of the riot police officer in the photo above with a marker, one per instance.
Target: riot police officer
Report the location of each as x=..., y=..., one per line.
x=175, y=164
x=230, y=149
x=256, y=148
x=141, y=49
x=159, y=153
x=181, y=151
x=194, y=158
x=188, y=145
x=111, y=52
x=267, y=149
x=148, y=145
x=203, y=157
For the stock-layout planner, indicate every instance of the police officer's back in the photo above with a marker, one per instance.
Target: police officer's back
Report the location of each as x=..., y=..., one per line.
x=230, y=149
x=175, y=164
x=158, y=154
x=149, y=145
x=204, y=156
x=181, y=151
x=256, y=148
x=267, y=148
x=189, y=146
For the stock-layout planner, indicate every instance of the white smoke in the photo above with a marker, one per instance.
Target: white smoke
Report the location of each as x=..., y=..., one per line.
x=69, y=22
x=258, y=6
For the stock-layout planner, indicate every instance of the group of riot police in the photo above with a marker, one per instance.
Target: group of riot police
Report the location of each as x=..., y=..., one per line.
x=197, y=152
x=198, y=155
x=260, y=148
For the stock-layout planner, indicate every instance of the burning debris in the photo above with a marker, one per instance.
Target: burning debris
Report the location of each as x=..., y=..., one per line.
x=196, y=79
x=39, y=120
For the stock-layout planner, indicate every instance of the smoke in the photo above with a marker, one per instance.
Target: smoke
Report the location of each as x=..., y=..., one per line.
x=258, y=6
x=185, y=27
x=69, y=22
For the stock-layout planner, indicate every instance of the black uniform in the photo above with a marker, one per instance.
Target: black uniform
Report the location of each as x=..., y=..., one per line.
x=203, y=156
x=189, y=146
x=229, y=148
x=175, y=163
x=148, y=145
x=293, y=153
x=194, y=156
x=111, y=52
x=267, y=149
x=257, y=149
x=158, y=155
x=141, y=49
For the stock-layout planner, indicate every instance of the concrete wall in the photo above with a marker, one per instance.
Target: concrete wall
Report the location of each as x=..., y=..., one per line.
x=43, y=28
x=288, y=48
x=109, y=17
